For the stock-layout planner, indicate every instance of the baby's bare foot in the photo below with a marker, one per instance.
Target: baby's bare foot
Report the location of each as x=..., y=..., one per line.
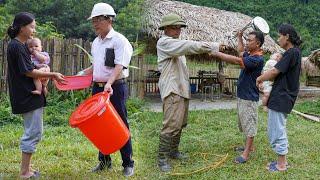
x=36, y=92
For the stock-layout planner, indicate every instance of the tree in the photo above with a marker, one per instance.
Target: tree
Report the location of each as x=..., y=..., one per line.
x=5, y=21
x=129, y=20
x=45, y=30
x=68, y=16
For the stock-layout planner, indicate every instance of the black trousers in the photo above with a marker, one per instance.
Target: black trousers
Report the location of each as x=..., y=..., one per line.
x=118, y=100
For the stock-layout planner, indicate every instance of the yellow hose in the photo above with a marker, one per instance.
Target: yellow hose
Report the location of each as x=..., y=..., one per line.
x=211, y=166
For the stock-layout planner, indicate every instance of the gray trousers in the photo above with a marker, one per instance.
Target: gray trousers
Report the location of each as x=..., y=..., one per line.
x=277, y=132
x=33, y=128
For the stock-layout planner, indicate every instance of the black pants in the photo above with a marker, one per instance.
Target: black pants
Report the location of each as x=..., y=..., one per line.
x=118, y=100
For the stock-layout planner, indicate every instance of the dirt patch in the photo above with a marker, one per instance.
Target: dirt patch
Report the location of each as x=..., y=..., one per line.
x=155, y=105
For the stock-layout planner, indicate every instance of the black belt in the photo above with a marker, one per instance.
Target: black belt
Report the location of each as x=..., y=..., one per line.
x=102, y=84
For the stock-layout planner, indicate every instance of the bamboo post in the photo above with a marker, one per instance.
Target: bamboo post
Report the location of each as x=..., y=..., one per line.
x=133, y=78
x=2, y=66
x=141, y=77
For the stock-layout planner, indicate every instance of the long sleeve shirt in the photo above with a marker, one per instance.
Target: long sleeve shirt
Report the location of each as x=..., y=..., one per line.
x=171, y=53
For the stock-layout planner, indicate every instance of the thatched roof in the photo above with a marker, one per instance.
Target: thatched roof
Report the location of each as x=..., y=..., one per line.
x=204, y=24
x=311, y=64
x=314, y=57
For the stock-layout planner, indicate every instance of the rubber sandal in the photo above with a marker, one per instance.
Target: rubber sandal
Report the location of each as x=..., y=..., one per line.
x=239, y=149
x=273, y=168
x=240, y=160
x=275, y=162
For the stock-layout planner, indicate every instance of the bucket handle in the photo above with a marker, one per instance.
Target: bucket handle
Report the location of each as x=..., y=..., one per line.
x=104, y=93
x=102, y=111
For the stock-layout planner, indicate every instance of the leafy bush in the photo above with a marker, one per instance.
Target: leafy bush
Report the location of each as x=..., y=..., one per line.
x=57, y=112
x=59, y=107
x=6, y=116
x=135, y=105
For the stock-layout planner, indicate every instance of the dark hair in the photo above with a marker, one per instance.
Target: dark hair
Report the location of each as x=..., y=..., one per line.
x=20, y=20
x=259, y=36
x=294, y=38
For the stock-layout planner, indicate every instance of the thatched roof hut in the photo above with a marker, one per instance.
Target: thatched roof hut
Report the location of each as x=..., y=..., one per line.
x=204, y=24
x=314, y=57
x=311, y=64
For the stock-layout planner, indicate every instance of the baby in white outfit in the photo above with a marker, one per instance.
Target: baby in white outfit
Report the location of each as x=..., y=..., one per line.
x=267, y=85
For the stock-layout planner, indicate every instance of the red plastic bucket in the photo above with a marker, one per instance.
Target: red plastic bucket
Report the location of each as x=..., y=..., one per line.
x=100, y=123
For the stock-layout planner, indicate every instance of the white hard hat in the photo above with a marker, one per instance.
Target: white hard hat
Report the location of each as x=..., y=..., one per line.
x=102, y=9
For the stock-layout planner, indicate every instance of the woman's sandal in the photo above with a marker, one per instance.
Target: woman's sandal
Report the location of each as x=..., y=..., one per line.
x=273, y=167
x=275, y=162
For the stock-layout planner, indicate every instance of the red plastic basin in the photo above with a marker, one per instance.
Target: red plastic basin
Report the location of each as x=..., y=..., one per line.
x=74, y=82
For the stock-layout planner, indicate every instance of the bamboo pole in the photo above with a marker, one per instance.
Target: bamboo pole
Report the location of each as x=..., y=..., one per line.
x=307, y=116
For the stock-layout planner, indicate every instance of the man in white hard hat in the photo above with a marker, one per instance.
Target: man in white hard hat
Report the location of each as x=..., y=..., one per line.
x=111, y=53
x=174, y=85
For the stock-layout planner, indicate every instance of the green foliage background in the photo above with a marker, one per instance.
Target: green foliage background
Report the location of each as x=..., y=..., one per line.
x=303, y=14
x=59, y=107
x=68, y=18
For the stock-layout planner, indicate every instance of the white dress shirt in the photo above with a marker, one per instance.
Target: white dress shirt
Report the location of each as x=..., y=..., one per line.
x=122, y=51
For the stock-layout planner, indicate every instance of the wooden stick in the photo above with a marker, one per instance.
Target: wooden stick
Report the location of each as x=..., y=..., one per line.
x=307, y=116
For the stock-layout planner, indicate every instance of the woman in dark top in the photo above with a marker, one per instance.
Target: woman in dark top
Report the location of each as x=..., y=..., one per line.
x=283, y=94
x=21, y=72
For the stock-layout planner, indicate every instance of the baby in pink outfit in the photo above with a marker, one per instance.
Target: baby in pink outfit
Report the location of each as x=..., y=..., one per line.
x=41, y=61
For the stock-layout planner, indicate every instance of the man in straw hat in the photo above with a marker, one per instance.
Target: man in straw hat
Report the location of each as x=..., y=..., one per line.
x=111, y=53
x=174, y=84
x=251, y=64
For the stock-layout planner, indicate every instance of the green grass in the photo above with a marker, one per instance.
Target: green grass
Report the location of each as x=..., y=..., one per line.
x=65, y=153
x=311, y=106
